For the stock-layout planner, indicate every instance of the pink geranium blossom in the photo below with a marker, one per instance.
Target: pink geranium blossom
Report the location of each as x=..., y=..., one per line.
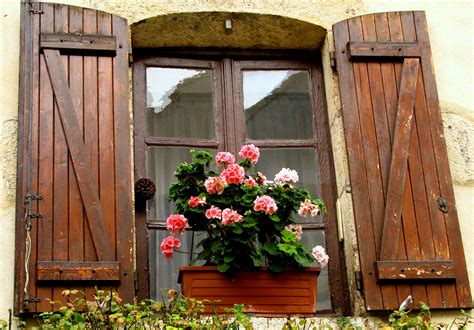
x=286, y=176
x=250, y=152
x=230, y=216
x=250, y=182
x=266, y=204
x=233, y=173
x=320, y=255
x=308, y=209
x=225, y=158
x=197, y=201
x=213, y=212
x=296, y=230
x=168, y=245
x=215, y=185
x=176, y=224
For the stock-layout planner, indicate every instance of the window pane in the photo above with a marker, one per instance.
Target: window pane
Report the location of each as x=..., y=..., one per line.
x=302, y=160
x=180, y=103
x=311, y=238
x=162, y=162
x=163, y=272
x=277, y=105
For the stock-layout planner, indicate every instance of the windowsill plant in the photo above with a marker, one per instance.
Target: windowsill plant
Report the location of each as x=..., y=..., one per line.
x=248, y=219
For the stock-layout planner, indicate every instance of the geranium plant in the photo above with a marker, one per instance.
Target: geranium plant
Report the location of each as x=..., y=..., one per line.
x=248, y=219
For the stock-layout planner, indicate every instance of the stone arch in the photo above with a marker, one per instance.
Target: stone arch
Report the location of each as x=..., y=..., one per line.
x=208, y=30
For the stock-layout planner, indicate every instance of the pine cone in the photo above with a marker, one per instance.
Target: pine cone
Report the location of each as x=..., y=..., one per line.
x=144, y=189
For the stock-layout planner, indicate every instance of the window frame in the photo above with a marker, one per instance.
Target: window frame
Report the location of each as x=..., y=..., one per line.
x=321, y=142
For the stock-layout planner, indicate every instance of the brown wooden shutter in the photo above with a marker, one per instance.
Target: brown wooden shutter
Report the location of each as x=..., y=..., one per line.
x=407, y=226
x=74, y=174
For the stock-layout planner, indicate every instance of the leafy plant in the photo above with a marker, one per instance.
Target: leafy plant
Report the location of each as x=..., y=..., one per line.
x=104, y=309
x=248, y=219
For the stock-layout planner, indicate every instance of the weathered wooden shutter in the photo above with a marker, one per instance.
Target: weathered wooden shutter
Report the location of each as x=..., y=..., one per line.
x=407, y=227
x=74, y=174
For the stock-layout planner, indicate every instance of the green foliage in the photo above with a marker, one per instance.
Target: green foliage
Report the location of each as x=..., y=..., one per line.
x=104, y=310
x=260, y=238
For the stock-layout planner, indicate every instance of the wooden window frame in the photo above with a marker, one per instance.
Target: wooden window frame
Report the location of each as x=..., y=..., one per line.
x=321, y=142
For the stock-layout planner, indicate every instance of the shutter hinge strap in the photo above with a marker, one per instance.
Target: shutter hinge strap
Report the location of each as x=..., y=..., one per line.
x=442, y=204
x=332, y=61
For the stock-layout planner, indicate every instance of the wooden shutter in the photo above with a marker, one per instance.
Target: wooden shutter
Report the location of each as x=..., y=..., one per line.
x=74, y=173
x=407, y=226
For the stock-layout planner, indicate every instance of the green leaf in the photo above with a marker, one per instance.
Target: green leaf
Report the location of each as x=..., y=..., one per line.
x=304, y=261
x=288, y=237
x=228, y=259
x=237, y=230
x=223, y=268
x=271, y=248
x=274, y=218
x=287, y=248
x=216, y=246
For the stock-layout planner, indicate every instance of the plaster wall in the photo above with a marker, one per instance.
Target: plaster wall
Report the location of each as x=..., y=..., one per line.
x=452, y=59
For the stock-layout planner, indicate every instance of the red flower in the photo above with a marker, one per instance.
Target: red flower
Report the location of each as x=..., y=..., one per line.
x=233, y=174
x=265, y=204
x=176, y=224
x=197, y=201
x=168, y=245
x=251, y=152
x=213, y=212
x=225, y=158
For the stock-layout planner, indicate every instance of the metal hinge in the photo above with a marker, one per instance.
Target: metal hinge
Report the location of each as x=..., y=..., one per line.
x=332, y=61
x=27, y=300
x=359, y=282
x=135, y=281
x=130, y=57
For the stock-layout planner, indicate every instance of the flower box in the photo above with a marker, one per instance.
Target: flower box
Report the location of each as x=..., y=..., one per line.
x=262, y=292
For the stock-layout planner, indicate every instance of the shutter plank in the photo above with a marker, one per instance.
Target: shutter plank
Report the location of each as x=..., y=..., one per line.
x=45, y=161
x=416, y=270
x=376, y=49
x=360, y=196
x=78, y=271
x=89, y=194
x=91, y=139
x=463, y=293
x=399, y=162
x=123, y=174
x=79, y=43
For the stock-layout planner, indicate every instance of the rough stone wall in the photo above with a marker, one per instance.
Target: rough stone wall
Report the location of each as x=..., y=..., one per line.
x=452, y=58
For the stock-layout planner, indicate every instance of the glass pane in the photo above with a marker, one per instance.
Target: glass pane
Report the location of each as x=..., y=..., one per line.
x=311, y=238
x=302, y=160
x=162, y=162
x=164, y=273
x=180, y=103
x=277, y=105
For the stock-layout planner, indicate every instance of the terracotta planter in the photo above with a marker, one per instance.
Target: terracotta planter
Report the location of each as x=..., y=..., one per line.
x=262, y=292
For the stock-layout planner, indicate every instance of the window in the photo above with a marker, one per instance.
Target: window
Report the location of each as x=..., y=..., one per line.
x=220, y=104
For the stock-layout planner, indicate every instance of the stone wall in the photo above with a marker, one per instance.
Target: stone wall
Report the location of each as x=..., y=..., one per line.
x=452, y=59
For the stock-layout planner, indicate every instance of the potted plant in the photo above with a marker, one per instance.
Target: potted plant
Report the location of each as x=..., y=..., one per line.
x=250, y=233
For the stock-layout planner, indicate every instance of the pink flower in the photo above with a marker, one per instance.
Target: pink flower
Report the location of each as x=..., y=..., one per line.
x=69, y=305
x=197, y=201
x=251, y=152
x=320, y=255
x=233, y=173
x=225, y=158
x=230, y=216
x=286, y=175
x=265, y=204
x=176, y=224
x=296, y=230
x=168, y=245
x=308, y=209
x=213, y=212
x=250, y=181
x=215, y=185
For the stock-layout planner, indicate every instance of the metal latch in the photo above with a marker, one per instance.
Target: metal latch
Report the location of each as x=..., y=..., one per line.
x=332, y=61
x=442, y=204
x=359, y=282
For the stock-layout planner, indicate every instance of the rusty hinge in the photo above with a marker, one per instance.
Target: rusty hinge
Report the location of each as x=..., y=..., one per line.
x=34, y=10
x=359, y=282
x=332, y=61
x=27, y=300
x=442, y=204
x=135, y=281
x=130, y=57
